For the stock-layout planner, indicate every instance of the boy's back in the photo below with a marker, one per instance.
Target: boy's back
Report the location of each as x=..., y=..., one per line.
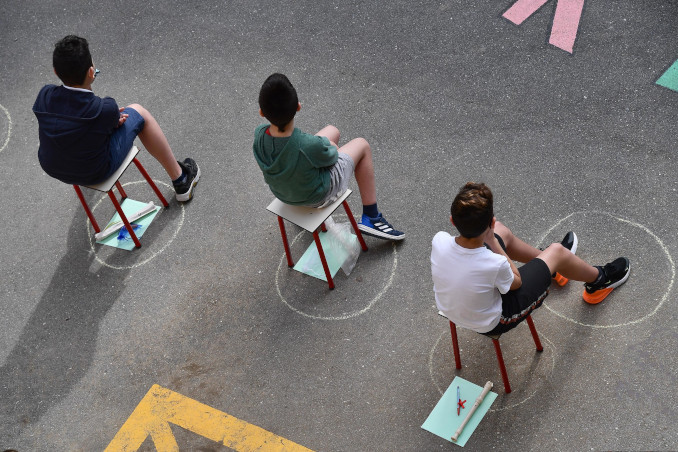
x=296, y=168
x=75, y=128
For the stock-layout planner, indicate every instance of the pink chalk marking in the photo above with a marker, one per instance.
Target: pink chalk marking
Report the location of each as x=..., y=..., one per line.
x=565, y=22
x=522, y=9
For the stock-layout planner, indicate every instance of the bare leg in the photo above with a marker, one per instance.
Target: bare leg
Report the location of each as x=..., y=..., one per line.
x=560, y=259
x=557, y=257
x=155, y=142
x=359, y=150
x=331, y=133
x=515, y=248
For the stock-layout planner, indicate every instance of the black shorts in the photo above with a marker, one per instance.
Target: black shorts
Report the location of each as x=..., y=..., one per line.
x=517, y=304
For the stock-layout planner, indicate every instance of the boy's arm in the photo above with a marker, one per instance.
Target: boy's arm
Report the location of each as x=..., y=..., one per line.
x=494, y=245
x=323, y=153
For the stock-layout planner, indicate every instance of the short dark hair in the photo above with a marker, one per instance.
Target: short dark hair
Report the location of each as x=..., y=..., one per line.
x=278, y=100
x=472, y=209
x=71, y=59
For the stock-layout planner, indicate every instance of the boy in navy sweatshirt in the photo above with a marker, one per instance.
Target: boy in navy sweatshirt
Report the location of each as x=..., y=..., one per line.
x=85, y=138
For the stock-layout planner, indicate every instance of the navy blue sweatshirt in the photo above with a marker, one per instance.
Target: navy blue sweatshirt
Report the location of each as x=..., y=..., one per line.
x=75, y=128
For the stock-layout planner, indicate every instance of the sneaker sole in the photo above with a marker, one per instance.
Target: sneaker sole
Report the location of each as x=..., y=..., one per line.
x=378, y=234
x=574, y=244
x=560, y=279
x=599, y=295
x=189, y=194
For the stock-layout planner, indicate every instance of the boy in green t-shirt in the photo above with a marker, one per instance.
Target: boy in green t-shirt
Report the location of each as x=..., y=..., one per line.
x=309, y=170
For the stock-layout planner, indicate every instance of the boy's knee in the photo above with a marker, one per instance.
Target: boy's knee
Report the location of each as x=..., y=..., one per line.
x=362, y=143
x=557, y=248
x=141, y=110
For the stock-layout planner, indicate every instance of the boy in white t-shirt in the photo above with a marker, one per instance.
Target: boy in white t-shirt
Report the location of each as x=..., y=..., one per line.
x=478, y=286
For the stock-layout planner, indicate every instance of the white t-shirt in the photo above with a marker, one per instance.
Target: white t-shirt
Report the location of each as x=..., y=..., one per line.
x=468, y=283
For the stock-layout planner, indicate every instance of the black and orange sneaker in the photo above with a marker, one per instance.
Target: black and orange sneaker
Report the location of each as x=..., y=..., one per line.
x=612, y=275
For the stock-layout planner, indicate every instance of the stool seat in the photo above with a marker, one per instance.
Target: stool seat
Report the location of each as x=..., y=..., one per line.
x=310, y=219
x=107, y=185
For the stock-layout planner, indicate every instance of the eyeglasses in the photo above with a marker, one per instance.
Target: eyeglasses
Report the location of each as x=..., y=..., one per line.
x=96, y=72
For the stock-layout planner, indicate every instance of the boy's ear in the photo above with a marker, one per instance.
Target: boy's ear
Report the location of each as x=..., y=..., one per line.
x=451, y=220
x=261, y=113
x=298, y=106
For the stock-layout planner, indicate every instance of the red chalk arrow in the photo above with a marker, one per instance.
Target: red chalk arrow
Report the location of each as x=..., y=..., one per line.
x=565, y=22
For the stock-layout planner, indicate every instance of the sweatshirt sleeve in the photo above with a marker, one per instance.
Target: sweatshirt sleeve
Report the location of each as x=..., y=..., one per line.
x=110, y=113
x=321, y=153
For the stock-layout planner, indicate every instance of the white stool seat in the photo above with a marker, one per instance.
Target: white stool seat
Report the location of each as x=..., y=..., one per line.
x=106, y=185
x=308, y=218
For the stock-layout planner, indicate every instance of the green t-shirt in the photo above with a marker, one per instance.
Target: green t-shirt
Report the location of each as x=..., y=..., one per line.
x=296, y=168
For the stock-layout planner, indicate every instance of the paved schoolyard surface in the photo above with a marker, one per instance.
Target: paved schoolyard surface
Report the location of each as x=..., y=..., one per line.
x=445, y=91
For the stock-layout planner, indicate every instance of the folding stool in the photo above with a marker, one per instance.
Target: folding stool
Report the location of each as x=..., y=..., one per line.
x=107, y=187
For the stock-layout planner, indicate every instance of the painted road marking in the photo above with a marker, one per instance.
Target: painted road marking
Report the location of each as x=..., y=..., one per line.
x=565, y=21
x=346, y=316
x=160, y=407
x=446, y=333
x=669, y=279
x=9, y=128
x=669, y=79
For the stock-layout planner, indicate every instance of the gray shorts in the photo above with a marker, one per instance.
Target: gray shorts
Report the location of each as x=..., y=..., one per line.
x=340, y=174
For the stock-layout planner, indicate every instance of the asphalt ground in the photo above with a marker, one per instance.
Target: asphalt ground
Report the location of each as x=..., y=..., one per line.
x=445, y=92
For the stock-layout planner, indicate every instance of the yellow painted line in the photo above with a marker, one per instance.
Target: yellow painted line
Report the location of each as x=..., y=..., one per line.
x=160, y=407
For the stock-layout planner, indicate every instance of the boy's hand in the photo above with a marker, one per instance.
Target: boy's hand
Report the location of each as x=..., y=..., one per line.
x=489, y=238
x=123, y=117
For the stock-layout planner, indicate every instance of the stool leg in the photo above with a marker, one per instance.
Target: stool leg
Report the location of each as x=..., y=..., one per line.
x=111, y=195
x=502, y=367
x=283, y=233
x=123, y=195
x=455, y=345
x=87, y=211
x=143, y=172
x=535, y=336
x=355, y=225
x=316, y=237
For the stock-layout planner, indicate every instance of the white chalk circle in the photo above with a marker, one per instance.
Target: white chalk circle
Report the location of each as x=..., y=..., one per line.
x=9, y=128
x=525, y=381
x=366, y=307
x=90, y=232
x=647, y=269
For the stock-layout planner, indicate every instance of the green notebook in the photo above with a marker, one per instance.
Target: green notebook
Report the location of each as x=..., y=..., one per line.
x=443, y=420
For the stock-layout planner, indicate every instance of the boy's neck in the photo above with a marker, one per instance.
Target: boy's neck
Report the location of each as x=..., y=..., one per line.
x=87, y=86
x=275, y=132
x=465, y=242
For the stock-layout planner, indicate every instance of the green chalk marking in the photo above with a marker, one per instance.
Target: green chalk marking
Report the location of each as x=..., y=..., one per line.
x=670, y=78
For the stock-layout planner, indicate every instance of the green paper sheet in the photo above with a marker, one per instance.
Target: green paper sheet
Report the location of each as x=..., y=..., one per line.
x=443, y=420
x=670, y=78
x=310, y=263
x=129, y=206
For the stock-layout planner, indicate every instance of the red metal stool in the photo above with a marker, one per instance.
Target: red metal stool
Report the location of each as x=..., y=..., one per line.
x=310, y=219
x=497, y=349
x=107, y=187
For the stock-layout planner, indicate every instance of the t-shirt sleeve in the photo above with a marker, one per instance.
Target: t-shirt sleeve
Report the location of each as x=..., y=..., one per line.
x=504, y=277
x=322, y=153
